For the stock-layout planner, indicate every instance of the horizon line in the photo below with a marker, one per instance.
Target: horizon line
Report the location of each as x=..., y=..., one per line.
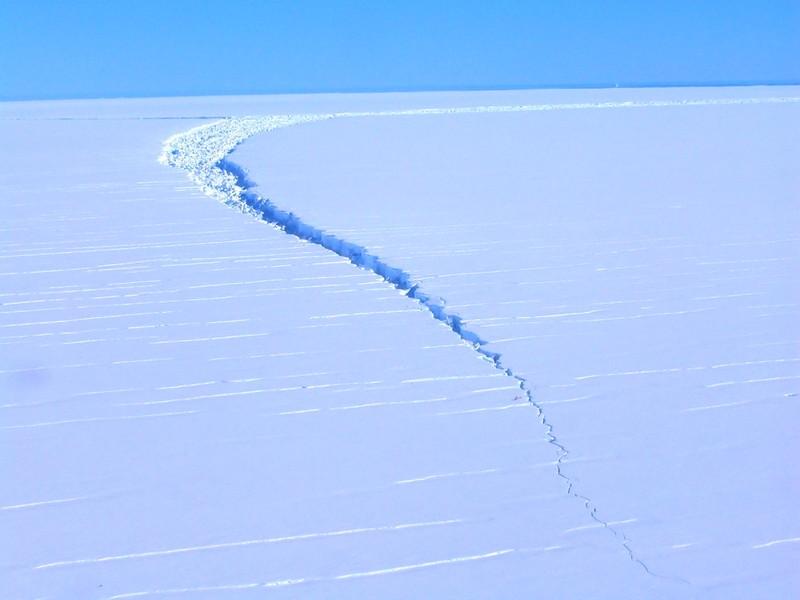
x=443, y=89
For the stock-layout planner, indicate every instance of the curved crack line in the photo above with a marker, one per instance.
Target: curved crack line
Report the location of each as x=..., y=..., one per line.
x=202, y=152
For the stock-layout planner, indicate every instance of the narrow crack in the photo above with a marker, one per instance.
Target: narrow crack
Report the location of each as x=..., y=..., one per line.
x=202, y=152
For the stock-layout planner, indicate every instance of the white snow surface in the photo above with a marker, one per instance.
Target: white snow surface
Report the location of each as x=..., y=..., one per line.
x=493, y=345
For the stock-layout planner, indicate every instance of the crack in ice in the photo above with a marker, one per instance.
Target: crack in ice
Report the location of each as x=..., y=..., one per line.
x=202, y=153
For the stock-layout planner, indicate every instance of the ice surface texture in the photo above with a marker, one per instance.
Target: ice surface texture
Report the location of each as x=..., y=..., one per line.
x=198, y=405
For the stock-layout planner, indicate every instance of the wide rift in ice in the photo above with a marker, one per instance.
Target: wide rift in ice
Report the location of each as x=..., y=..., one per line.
x=202, y=152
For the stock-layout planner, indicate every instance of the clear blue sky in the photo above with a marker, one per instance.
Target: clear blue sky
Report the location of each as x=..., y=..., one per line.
x=111, y=48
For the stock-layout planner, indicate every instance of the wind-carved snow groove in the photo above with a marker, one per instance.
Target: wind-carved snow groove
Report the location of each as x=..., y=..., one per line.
x=201, y=153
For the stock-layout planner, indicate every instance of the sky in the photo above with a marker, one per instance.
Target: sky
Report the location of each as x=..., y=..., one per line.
x=133, y=48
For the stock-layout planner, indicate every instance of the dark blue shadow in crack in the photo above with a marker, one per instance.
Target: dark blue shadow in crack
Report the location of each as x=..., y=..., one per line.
x=358, y=255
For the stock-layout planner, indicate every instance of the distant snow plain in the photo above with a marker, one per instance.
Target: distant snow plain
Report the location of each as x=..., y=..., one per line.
x=537, y=344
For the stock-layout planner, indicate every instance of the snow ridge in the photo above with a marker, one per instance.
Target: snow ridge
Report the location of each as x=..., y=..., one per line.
x=201, y=152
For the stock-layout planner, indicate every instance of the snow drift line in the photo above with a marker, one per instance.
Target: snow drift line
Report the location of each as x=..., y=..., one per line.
x=201, y=152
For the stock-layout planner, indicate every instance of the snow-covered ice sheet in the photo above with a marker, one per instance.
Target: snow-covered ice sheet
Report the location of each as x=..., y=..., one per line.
x=637, y=266
x=196, y=404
